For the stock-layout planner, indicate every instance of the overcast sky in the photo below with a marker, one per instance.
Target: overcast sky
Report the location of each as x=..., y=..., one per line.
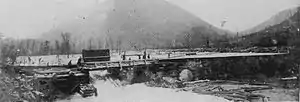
x=28, y=18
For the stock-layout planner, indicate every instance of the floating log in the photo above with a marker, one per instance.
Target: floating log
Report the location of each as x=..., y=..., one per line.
x=198, y=81
x=289, y=78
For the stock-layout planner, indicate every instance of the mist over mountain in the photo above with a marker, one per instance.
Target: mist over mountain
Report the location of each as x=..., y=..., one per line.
x=274, y=20
x=136, y=23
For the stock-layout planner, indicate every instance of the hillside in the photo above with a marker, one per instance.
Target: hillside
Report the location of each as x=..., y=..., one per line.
x=137, y=23
x=285, y=32
x=274, y=20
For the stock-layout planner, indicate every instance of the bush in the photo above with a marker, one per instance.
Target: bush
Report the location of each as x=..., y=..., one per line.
x=17, y=88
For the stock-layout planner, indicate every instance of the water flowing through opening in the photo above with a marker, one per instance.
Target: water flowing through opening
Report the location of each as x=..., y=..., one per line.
x=109, y=92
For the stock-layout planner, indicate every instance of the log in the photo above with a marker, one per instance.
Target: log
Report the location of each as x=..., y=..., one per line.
x=233, y=98
x=251, y=89
x=289, y=78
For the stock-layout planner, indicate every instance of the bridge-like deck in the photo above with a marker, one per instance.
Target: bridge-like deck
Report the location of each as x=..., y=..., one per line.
x=115, y=64
x=129, y=63
x=222, y=55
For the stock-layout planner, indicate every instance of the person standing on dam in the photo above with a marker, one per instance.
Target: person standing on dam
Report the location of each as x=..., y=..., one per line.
x=148, y=56
x=145, y=55
x=79, y=61
x=124, y=56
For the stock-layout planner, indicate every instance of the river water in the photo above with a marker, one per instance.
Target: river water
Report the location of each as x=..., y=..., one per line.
x=107, y=92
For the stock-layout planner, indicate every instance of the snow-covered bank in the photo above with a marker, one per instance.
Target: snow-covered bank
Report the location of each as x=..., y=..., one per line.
x=107, y=92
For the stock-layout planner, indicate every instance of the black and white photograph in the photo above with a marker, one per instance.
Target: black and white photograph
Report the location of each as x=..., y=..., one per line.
x=149, y=50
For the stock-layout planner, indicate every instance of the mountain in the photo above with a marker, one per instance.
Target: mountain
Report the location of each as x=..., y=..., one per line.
x=286, y=32
x=274, y=20
x=139, y=23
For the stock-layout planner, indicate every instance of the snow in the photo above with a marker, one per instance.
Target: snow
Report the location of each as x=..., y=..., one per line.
x=107, y=92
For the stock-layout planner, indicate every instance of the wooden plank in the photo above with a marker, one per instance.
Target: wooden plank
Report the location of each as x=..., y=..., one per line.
x=97, y=57
x=120, y=65
x=145, y=62
x=134, y=55
x=116, y=64
x=223, y=55
x=104, y=68
x=123, y=61
x=106, y=64
x=198, y=56
x=101, y=52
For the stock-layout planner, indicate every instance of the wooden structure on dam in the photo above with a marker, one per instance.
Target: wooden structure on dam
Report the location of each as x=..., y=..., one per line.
x=100, y=59
x=206, y=66
x=102, y=65
x=178, y=63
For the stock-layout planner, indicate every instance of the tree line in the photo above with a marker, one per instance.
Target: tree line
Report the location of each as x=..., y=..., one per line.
x=67, y=44
x=32, y=47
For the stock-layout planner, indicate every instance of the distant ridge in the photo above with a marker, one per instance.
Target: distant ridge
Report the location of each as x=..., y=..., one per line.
x=285, y=32
x=274, y=20
x=139, y=23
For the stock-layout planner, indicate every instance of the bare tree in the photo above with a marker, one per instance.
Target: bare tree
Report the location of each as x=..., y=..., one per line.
x=188, y=39
x=133, y=44
x=111, y=42
x=90, y=43
x=156, y=37
x=57, y=47
x=100, y=44
x=28, y=47
x=119, y=42
x=66, y=47
x=41, y=48
x=46, y=47
x=173, y=43
x=33, y=46
x=8, y=51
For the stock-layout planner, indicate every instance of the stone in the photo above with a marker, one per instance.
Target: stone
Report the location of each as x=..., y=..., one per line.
x=186, y=75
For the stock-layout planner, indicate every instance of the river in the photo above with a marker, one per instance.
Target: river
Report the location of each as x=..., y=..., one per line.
x=107, y=92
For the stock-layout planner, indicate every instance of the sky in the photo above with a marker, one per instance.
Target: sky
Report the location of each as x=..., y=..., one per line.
x=239, y=14
x=29, y=18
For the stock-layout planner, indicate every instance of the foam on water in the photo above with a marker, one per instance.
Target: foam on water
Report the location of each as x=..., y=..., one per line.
x=107, y=92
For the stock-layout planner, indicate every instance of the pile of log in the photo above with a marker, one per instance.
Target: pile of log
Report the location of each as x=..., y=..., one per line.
x=240, y=94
